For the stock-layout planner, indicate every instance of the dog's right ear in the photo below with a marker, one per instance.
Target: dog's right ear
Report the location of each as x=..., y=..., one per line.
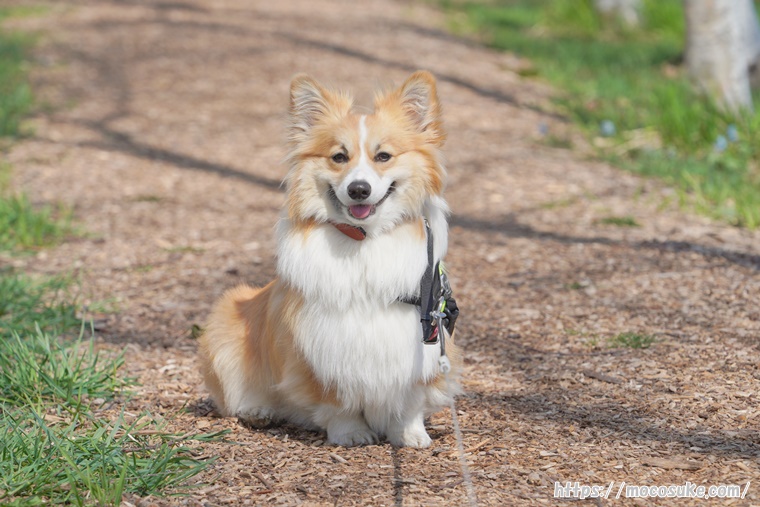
x=307, y=102
x=310, y=102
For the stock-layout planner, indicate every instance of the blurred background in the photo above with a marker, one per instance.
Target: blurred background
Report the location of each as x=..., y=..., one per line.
x=662, y=87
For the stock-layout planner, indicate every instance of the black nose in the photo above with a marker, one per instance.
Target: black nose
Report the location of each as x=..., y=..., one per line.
x=359, y=190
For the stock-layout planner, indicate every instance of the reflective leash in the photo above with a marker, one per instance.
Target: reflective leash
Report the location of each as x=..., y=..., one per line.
x=438, y=314
x=445, y=364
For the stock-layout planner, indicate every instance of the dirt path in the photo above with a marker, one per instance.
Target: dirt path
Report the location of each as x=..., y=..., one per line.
x=165, y=134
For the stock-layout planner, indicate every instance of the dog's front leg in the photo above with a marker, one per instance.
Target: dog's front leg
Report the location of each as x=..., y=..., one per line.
x=409, y=431
x=405, y=427
x=344, y=428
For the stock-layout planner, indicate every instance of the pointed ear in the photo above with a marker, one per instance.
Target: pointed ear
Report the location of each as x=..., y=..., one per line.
x=310, y=102
x=307, y=102
x=419, y=101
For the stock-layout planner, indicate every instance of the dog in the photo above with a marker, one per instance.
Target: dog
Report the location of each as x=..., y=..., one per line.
x=339, y=341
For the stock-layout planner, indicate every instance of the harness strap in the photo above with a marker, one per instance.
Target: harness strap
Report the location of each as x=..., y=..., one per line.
x=436, y=302
x=428, y=298
x=410, y=300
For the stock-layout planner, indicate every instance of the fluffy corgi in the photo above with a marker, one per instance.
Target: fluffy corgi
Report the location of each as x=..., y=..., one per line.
x=336, y=342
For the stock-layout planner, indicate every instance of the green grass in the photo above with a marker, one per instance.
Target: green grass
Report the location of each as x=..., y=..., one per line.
x=628, y=339
x=26, y=304
x=23, y=226
x=58, y=444
x=89, y=461
x=54, y=446
x=626, y=221
x=633, y=78
x=632, y=340
x=38, y=370
x=148, y=198
x=109, y=305
x=558, y=142
x=15, y=93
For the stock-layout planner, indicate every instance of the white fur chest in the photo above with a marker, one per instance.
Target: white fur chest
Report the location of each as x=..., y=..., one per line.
x=352, y=331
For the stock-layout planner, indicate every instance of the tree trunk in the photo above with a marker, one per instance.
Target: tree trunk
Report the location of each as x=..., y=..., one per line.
x=751, y=31
x=722, y=49
x=626, y=10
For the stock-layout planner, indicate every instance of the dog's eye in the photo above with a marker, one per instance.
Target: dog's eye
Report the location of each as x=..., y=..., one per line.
x=340, y=158
x=382, y=157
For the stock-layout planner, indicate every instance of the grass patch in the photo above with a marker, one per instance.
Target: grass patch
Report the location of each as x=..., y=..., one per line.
x=148, y=198
x=626, y=221
x=54, y=448
x=628, y=90
x=26, y=304
x=560, y=142
x=560, y=203
x=22, y=226
x=90, y=461
x=632, y=340
x=108, y=305
x=39, y=370
x=15, y=93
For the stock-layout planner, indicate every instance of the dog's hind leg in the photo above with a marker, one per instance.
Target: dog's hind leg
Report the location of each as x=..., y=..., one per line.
x=235, y=393
x=234, y=350
x=257, y=416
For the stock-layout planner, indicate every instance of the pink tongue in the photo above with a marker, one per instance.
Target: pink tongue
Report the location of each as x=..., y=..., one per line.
x=360, y=210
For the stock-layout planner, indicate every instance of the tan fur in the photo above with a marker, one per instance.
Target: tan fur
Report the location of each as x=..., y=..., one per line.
x=249, y=336
x=454, y=353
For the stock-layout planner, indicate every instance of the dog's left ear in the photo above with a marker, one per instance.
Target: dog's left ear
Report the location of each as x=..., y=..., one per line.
x=419, y=101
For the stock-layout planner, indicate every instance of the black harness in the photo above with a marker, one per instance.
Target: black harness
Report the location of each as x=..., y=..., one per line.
x=438, y=308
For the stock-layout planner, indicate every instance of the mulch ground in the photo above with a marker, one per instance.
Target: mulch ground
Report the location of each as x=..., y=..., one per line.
x=163, y=129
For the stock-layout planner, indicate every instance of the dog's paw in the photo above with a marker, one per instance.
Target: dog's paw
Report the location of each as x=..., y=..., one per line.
x=411, y=437
x=257, y=417
x=346, y=429
x=352, y=438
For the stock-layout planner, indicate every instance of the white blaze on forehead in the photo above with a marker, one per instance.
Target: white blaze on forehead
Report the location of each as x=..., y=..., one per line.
x=363, y=138
x=364, y=171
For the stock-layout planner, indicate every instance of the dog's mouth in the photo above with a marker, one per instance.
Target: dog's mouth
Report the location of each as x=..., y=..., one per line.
x=360, y=211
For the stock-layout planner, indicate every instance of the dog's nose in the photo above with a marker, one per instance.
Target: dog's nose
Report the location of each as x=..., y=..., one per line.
x=359, y=190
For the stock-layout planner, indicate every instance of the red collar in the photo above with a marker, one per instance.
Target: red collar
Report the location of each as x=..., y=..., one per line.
x=353, y=232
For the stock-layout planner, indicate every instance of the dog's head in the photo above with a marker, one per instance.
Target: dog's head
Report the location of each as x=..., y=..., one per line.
x=371, y=170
